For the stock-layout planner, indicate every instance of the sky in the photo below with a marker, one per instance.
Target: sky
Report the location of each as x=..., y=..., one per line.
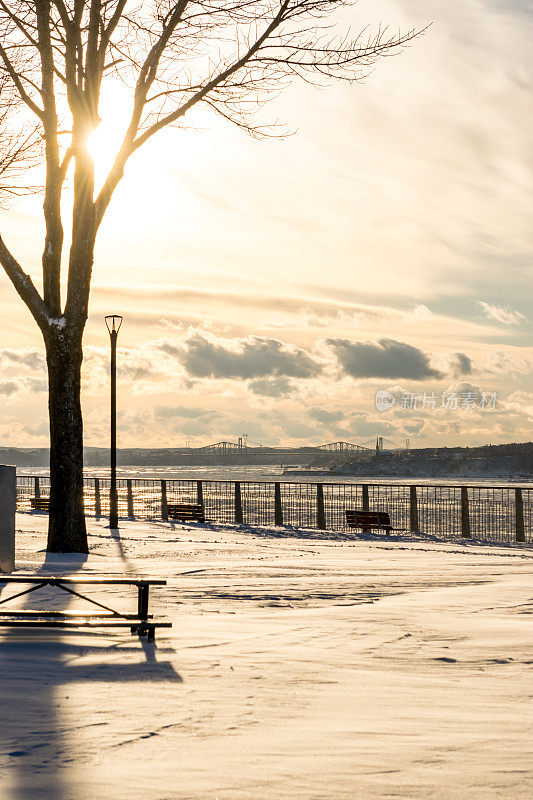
x=272, y=288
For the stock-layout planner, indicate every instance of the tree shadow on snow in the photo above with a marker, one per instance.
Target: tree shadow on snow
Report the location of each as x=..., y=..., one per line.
x=39, y=669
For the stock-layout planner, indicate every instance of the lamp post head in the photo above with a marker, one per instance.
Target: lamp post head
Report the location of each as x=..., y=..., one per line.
x=113, y=322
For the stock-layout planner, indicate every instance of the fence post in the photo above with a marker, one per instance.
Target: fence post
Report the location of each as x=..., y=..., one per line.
x=97, y=501
x=8, y=503
x=519, y=516
x=413, y=510
x=366, y=503
x=278, y=511
x=320, y=512
x=129, y=489
x=199, y=493
x=164, y=506
x=238, y=503
x=465, y=514
x=36, y=489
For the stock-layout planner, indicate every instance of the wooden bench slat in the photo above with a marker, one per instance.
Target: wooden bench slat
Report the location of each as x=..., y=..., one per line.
x=23, y=613
x=54, y=623
x=186, y=505
x=54, y=579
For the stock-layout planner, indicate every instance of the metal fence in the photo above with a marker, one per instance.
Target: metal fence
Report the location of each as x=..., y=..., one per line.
x=495, y=513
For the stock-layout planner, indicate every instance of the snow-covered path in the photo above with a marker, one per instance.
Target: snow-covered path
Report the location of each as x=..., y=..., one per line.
x=296, y=668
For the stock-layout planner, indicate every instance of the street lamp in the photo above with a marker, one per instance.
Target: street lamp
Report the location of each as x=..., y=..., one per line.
x=113, y=322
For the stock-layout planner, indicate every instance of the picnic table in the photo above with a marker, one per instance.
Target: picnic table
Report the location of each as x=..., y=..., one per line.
x=140, y=622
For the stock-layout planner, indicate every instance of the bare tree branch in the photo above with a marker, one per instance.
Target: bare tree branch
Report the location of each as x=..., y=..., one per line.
x=24, y=286
x=17, y=82
x=20, y=147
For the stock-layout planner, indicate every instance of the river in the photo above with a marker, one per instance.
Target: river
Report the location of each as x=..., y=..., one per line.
x=272, y=472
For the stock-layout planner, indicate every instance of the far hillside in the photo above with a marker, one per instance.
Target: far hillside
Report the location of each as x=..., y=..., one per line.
x=509, y=461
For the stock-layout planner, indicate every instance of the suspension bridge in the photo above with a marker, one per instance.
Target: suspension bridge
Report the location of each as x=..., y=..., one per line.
x=243, y=445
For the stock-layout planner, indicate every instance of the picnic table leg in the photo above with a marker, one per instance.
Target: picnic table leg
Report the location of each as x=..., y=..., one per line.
x=144, y=628
x=142, y=601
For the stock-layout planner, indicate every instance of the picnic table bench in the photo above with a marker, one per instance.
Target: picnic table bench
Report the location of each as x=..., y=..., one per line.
x=370, y=520
x=40, y=503
x=141, y=623
x=186, y=512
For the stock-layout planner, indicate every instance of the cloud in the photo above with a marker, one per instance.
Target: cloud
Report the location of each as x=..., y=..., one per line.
x=171, y=412
x=29, y=358
x=137, y=365
x=8, y=387
x=503, y=314
x=37, y=430
x=507, y=362
x=273, y=309
x=34, y=385
x=135, y=372
x=460, y=364
x=369, y=425
x=271, y=387
x=386, y=358
x=422, y=312
x=27, y=385
x=324, y=416
x=414, y=427
x=143, y=366
x=298, y=430
x=251, y=358
x=521, y=403
x=198, y=426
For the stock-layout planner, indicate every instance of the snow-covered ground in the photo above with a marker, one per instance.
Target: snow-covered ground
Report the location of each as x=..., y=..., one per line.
x=298, y=666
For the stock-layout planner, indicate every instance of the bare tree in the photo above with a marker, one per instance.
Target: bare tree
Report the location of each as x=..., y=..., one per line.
x=20, y=147
x=230, y=55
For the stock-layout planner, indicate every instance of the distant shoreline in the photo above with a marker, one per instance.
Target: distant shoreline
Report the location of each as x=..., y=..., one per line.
x=375, y=475
x=499, y=463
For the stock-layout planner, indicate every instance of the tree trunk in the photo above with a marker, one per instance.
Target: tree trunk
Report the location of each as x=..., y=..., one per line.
x=66, y=528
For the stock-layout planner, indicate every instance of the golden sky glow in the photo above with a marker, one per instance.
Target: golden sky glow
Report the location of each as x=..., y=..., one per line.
x=399, y=211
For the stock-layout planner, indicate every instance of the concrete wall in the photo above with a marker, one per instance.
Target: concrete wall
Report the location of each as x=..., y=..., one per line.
x=8, y=499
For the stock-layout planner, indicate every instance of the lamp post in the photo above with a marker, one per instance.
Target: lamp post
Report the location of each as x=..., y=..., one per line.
x=113, y=322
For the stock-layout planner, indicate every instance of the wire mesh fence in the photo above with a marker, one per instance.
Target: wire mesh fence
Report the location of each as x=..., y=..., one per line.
x=494, y=513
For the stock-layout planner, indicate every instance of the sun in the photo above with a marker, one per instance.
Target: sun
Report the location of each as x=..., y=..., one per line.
x=104, y=142
x=101, y=148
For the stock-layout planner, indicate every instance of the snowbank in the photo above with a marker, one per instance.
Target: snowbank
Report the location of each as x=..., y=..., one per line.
x=297, y=667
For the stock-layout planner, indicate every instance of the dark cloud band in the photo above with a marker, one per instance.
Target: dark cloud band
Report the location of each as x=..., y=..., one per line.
x=254, y=358
x=386, y=358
